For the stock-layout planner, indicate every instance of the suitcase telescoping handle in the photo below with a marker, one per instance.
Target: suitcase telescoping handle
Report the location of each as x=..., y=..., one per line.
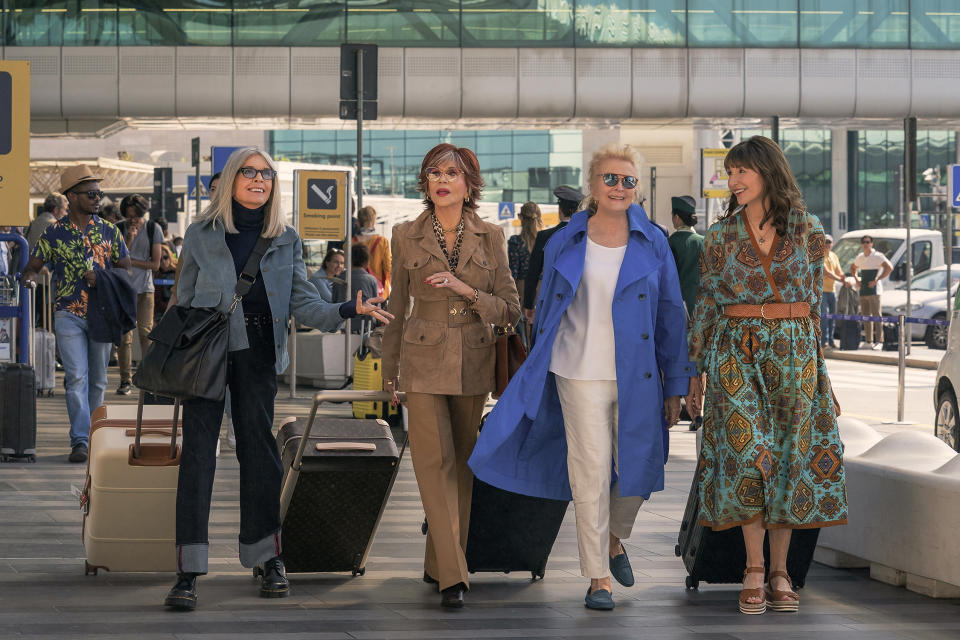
x=347, y=395
x=173, y=427
x=32, y=322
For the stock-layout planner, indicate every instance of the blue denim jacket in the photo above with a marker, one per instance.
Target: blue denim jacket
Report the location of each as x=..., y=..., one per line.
x=207, y=279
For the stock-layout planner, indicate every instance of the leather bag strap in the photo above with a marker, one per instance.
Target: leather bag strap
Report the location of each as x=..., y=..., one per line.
x=249, y=274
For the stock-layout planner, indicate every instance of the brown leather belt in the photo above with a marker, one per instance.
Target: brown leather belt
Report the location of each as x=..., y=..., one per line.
x=768, y=310
x=455, y=311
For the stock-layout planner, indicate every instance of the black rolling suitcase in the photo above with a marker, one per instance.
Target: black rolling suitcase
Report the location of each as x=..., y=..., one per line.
x=18, y=413
x=335, y=487
x=511, y=532
x=719, y=556
x=891, y=337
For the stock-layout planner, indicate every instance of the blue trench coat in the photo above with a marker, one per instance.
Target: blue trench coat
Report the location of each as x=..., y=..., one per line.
x=523, y=447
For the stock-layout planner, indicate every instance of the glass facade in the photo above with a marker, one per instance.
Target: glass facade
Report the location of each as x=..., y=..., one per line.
x=929, y=24
x=517, y=166
x=808, y=152
x=875, y=197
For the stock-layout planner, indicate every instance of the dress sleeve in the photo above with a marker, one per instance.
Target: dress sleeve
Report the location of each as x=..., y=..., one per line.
x=706, y=311
x=815, y=243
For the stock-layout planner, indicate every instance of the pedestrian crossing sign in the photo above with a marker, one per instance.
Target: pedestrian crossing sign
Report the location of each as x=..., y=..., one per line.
x=953, y=182
x=506, y=210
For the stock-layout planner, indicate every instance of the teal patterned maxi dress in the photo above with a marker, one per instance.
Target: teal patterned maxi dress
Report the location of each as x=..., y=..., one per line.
x=771, y=448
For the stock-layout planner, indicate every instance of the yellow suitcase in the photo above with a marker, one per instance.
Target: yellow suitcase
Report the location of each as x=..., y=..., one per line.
x=367, y=376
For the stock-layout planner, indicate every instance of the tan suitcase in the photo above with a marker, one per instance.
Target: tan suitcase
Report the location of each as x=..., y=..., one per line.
x=129, y=501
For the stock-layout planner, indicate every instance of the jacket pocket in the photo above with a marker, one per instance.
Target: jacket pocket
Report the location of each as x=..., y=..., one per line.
x=207, y=298
x=478, y=336
x=427, y=333
x=479, y=272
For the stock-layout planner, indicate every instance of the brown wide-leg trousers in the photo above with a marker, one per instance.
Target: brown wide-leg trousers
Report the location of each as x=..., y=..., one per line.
x=443, y=431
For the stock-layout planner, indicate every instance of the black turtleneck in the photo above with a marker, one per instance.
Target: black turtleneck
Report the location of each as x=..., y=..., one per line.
x=249, y=223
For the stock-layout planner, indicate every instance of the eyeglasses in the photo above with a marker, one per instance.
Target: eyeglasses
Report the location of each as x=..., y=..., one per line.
x=251, y=173
x=434, y=174
x=866, y=242
x=92, y=194
x=611, y=180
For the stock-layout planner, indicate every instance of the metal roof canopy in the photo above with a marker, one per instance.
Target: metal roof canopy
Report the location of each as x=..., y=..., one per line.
x=115, y=174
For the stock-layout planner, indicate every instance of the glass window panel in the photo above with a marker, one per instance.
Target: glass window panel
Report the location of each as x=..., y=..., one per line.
x=175, y=22
x=395, y=23
x=512, y=23
x=62, y=22
x=854, y=23
x=290, y=23
x=742, y=23
x=531, y=142
x=654, y=23
x=935, y=24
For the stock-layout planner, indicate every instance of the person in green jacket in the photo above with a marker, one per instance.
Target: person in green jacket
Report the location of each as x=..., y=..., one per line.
x=686, y=245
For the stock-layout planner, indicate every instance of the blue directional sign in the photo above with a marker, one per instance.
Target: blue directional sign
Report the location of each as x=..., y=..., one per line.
x=506, y=210
x=219, y=156
x=953, y=184
x=192, y=187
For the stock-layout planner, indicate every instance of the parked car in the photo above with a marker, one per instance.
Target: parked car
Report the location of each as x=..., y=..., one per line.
x=946, y=425
x=928, y=299
x=927, y=250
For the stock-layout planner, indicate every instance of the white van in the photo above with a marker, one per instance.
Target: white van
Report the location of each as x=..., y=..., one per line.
x=927, y=250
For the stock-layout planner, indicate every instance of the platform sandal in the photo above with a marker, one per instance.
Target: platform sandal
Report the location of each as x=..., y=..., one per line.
x=781, y=600
x=752, y=608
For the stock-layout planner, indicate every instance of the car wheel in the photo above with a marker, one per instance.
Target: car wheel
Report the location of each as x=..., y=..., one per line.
x=945, y=426
x=936, y=336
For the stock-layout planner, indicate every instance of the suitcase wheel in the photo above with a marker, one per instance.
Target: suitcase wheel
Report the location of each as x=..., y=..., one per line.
x=424, y=527
x=677, y=551
x=359, y=572
x=88, y=570
x=692, y=583
x=257, y=572
x=536, y=575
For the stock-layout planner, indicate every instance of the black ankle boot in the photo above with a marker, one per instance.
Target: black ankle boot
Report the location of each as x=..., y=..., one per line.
x=183, y=595
x=273, y=580
x=452, y=597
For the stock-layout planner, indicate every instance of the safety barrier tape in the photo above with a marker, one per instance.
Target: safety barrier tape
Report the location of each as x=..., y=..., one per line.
x=163, y=282
x=887, y=319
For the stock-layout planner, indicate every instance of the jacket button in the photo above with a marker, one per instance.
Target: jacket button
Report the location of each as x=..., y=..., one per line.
x=421, y=338
x=541, y=330
x=484, y=263
x=415, y=264
x=643, y=296
x=559, y=296
x=645, y=336
x=481, y=340
x=646, y=375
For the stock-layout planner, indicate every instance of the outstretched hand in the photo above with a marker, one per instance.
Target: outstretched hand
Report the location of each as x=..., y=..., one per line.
x=370, y=309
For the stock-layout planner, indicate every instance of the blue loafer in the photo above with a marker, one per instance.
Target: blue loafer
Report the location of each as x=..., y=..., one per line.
x=600, y=599
x=620, y=569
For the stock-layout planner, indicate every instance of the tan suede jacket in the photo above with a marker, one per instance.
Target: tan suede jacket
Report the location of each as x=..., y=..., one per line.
x=441, y=342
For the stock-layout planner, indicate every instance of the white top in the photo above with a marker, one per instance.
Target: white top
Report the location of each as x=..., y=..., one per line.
x=584, y=348
x=875, y=260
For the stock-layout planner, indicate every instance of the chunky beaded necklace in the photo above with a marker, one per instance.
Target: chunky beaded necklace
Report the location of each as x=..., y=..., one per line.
x=453, y=258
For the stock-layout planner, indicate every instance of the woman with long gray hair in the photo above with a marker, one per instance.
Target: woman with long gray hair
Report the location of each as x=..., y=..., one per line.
x=216, y=247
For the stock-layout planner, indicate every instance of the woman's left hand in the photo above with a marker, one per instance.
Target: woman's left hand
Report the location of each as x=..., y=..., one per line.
x=671, y=407
x=369, y=309
x=445, y=279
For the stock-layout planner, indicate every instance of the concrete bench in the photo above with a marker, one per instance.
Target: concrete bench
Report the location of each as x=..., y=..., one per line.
x=904, y=498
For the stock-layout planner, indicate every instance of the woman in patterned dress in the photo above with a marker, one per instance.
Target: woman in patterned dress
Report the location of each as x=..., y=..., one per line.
x=772, y=456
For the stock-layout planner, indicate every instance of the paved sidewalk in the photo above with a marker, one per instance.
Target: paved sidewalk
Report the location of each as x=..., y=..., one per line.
x=920, y=356
x=44, y=594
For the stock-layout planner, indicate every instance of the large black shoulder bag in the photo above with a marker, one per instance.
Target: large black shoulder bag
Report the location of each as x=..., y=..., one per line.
x=187, y=357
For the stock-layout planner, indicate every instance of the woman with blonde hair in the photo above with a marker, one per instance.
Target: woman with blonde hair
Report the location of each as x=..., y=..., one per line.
x=602, y=385
x=442, y=353
x=244, y=223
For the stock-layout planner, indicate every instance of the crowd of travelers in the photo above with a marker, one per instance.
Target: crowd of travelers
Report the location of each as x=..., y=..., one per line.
x=625, y=326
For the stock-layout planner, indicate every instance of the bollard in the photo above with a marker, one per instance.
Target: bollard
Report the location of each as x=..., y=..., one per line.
x=901, y=367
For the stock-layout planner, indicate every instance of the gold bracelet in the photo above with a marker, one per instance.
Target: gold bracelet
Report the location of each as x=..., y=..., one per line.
x=476, y=295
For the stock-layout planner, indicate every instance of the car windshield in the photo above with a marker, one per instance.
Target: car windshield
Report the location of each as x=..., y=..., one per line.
x=848, y=248
x=933, y=280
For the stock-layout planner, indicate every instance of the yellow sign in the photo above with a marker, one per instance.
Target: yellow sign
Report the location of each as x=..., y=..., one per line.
x=14, y=143
x=713, y=175
x=322, y=198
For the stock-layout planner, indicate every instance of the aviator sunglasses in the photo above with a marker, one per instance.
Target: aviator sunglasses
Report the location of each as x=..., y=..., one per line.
x=250, y=173
x=611, y=180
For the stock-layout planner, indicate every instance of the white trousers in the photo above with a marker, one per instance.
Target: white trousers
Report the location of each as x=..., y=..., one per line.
x=590, y=419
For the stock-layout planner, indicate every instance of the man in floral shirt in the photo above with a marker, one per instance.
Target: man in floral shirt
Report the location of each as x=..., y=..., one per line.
x=75, y=245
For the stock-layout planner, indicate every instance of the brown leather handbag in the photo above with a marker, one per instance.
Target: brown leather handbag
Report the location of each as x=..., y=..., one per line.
x=510, y=355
